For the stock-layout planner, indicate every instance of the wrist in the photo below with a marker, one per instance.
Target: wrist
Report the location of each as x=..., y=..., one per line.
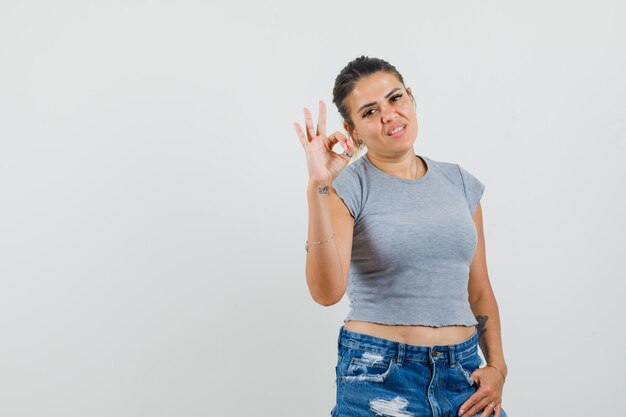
x=500, y=366
x=316, y=184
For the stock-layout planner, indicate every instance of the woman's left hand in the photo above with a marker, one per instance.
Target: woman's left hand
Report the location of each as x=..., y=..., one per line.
x=490, y=383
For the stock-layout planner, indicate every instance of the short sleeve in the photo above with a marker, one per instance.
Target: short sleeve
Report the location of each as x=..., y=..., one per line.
x=472, y=187
x=348, y=188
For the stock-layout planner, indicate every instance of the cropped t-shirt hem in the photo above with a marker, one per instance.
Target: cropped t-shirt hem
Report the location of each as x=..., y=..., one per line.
x=420, y=322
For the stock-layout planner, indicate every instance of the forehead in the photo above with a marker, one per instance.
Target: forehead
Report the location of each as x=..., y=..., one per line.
x=373, y=88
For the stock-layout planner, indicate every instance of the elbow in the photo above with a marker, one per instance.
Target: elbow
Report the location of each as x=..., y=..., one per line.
x=328, y=298
x=479, y=297
x=326, y=301
x=329, y=293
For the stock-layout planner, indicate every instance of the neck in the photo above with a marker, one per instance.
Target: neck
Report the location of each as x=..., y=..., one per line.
x=406, y=166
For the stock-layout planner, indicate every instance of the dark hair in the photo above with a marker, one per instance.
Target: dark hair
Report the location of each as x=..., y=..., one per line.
x=345, y=82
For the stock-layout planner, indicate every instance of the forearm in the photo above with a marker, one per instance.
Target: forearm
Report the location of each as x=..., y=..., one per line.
x=485, y=309
x=323, y=268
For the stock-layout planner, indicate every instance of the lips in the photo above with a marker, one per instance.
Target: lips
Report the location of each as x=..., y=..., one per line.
x=389, y=131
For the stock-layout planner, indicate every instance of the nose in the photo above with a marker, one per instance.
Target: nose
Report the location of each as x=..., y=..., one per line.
x=388, y=114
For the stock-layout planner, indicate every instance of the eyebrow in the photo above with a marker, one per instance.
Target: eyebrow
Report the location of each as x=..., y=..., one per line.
x=372, y=103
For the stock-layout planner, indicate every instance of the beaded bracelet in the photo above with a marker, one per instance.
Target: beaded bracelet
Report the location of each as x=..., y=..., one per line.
x=493, y=366
x=307, y=244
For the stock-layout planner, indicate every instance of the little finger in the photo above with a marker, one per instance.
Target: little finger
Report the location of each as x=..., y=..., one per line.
x=498, y=410
x=301, y=135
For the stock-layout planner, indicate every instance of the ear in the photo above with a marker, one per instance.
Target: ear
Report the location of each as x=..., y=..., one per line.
x=345, y=127
x=410, y=92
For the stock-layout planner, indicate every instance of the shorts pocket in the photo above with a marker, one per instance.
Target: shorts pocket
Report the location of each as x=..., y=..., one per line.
x=364, y=366
x=467, y=365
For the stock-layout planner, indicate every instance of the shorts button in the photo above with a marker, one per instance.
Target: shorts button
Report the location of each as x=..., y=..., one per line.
x=436, y=353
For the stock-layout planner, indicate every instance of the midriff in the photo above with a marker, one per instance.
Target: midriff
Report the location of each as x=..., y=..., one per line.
x=412, y=334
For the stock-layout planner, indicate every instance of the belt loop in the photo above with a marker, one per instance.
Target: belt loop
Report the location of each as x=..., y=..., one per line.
x=401, y=348
x=452, y=356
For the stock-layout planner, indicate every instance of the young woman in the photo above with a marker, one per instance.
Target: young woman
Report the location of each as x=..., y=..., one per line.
x=403, y=235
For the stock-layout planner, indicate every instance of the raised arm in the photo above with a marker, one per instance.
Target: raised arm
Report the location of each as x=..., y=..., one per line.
x=330, y=222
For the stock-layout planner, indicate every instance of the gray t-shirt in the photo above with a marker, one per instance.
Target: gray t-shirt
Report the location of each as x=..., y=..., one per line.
x=413, y=243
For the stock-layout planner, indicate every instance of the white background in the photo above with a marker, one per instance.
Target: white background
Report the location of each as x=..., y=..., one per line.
x=153, y=205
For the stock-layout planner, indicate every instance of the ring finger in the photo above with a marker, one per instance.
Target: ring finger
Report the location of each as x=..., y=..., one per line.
x=480, y=407
x=308, y=120
x=488, y=409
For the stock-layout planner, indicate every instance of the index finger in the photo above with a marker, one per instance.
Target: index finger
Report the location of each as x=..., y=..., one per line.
x=321, y=120
x=471, y=401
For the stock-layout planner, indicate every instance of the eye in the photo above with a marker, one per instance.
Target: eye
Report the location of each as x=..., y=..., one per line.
x=393, y=99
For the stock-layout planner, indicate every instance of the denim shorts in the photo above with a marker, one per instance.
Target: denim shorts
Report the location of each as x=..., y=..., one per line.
x=382, y=377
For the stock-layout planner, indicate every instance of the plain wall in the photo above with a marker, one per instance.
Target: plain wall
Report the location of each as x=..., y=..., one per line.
x=153, y=205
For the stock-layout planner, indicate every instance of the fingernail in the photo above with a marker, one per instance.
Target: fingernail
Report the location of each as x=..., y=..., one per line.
x=461, y=411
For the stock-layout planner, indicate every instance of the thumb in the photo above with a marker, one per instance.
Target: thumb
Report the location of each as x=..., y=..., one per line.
x=475, y=378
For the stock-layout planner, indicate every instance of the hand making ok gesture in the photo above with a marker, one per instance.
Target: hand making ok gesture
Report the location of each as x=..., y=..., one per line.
x=324, y=164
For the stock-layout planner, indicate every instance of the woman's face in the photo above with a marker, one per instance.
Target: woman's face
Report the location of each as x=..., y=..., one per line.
x=378, y=104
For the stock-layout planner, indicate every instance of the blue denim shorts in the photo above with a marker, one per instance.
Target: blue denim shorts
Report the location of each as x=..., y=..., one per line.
x=382, y=377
